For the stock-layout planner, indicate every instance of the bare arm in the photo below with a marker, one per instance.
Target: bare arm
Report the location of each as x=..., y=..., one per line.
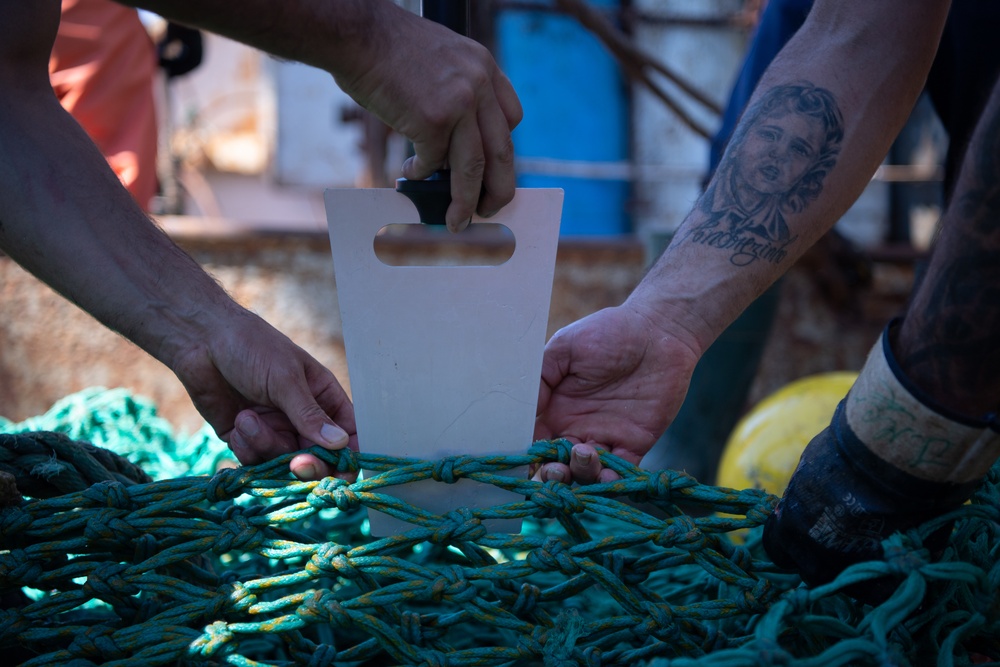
x=820, y=122
x=442, y=91
x=65, y=217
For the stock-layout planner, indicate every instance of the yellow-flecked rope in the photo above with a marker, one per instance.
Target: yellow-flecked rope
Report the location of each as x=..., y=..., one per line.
x=251, y=567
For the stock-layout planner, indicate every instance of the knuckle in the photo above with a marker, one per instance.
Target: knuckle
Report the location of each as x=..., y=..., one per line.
x=471, y=169
x=504, y=153
x=312, y=414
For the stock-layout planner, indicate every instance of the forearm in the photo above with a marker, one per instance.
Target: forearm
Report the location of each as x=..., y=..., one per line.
x=949, y=342
x=336, y=35
x=65, y=218
x=849, y=79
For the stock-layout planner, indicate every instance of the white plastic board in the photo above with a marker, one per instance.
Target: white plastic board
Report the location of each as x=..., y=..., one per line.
x=443, y=360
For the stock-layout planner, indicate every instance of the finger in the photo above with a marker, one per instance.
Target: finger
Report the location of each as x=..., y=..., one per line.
x=421, y=165
x=259, y=437
x=507, y=99
x=334, y=402
x=584, y=463
x=243, y=452
x=307, y=417
x=308, y=467
x=554, y=472
x=467, y=163
x=607, y=476
x=498, y=175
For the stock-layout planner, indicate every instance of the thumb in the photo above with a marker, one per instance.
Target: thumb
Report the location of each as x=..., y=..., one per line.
x=310, y=420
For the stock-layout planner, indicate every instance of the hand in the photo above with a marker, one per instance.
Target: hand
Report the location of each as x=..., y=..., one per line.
x=842, y=501
x=265, y=396
x=612, y=380
x=445, y=93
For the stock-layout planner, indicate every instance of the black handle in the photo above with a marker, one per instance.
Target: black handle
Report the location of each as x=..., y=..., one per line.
x=453, y=14
x=433, y=195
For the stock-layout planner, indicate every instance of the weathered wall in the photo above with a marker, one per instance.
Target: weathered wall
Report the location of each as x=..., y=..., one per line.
x=49, y=348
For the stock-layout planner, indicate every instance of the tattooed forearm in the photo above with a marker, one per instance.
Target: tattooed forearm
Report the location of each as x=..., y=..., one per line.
x=774, y=167
x=951, y=336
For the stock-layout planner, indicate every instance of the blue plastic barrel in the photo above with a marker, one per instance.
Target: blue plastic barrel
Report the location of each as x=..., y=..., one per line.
x=575, y=108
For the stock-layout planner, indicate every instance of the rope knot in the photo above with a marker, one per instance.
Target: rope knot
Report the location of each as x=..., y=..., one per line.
x=544, y=451
x=110, y=493
x=214, y=637
x=347, y=459
x=18, y=568
x=556, y=496
x=659, y=622
x=110, y=525
x=592, y=657
x=97, y=643
x=683, y=533
x=324, y=560
x=902, y=559
x=313, y=655
x=444, y=469
x=410, y=628
x=459, y=525
x=106, y=583
x=333, y=492
x=552, y=556
x=741, y=558
x=227, y=484
x=13, y=520
x=237, y=534
x=239, y=597
x=324, y=607
x=12, y=624
x=144, y=547
x=530, y=646
x=758, y=514
x=755, y=600
x=660, y=484
x=527, y=599
x=344, y=567
x=452, y=585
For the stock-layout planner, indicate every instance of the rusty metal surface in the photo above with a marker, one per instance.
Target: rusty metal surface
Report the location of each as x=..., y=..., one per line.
x=50, y=348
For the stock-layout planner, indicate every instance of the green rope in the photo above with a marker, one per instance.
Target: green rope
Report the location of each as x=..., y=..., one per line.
x=251, y=567
x=129, y=425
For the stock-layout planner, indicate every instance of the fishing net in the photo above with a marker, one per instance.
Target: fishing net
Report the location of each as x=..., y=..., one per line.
x=123, y=543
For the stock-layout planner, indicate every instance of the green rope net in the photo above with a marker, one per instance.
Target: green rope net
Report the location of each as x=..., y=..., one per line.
x=102, y=565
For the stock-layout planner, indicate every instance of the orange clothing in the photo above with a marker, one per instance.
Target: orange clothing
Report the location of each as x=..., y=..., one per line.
x=102, y=68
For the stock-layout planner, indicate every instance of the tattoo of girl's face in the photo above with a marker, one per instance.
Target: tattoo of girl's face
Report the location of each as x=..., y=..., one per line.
x=775, y=165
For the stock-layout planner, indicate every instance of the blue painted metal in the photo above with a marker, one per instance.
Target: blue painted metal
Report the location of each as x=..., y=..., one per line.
x=575, y=108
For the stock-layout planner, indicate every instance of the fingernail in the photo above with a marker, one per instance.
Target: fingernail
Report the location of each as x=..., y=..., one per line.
x=335, y=437
x=491, y=213
x=584, y=457
x=306, y=472
x=248, y=426
x=555, y=475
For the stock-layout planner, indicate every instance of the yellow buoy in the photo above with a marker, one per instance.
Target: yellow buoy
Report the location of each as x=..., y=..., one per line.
x=765, y=446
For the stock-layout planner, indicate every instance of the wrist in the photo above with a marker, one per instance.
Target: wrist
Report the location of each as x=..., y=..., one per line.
x=696, y=291
x=903, y=426
x=180, y=314
x=676, y=319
